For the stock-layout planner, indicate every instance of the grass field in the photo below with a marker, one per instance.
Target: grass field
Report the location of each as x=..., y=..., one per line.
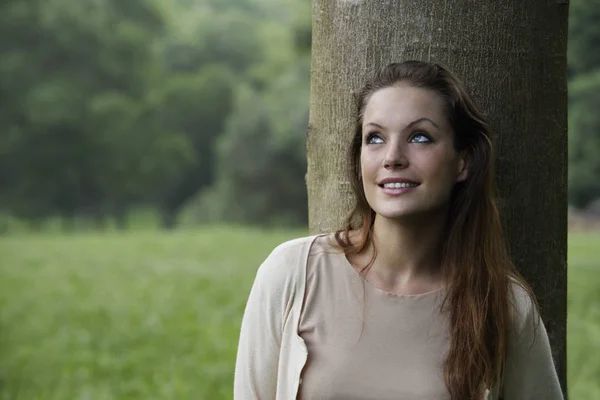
x=156, y=315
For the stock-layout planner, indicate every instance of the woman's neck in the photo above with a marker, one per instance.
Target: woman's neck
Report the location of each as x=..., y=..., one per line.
x=408, y=253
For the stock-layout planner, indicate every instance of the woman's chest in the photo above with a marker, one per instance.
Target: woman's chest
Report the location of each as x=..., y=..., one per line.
x=371, y=346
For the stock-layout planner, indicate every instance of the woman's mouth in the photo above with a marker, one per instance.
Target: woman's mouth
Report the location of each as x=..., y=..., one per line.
x=397, y=188
x=399, y=185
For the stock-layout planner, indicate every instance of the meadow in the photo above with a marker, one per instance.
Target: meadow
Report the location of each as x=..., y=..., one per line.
x=156, y=315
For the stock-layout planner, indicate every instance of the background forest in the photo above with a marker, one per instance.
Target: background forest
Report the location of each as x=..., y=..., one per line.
x=152, y=153
x=194, y=111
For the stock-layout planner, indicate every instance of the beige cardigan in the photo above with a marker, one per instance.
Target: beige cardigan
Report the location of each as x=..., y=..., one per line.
x=271, y=355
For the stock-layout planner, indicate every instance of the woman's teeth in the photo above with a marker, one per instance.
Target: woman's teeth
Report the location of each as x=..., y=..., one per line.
x=399, y=185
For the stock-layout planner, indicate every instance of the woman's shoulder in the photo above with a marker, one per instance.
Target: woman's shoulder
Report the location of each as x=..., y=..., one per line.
x=286, y=258
x=523, y=307
x=290, y=250
x=293, y=248
x=520, y=296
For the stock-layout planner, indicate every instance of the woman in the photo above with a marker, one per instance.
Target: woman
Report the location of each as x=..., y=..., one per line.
x=415, y=298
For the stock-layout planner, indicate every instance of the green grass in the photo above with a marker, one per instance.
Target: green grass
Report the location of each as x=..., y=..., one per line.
x=583, y=317
x=156, y=315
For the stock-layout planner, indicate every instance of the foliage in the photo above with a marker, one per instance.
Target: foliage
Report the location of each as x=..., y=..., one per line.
x=584, y=141
x=76, y=79
x=584, y=36
x=195, y=104
x=261, y=157
x=584, y=102
x=198, y=106
x=112, y=105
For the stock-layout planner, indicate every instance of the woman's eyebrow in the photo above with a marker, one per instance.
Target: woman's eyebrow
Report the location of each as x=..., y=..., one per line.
x=407, y=126
x=375, y=125
x=422, y=120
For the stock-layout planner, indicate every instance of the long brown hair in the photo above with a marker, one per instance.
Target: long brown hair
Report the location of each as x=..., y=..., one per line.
x=475, y=262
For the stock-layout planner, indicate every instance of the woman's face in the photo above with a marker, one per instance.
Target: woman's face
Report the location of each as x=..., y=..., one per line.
x=408, y=161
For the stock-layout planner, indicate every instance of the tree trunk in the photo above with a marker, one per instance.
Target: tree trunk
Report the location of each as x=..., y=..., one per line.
x=512, y=55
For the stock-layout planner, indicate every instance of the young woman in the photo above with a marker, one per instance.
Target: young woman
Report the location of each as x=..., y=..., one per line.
x=415, y=298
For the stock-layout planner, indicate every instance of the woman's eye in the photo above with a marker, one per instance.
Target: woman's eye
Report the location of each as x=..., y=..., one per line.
x=420, y=138
x=373, y=138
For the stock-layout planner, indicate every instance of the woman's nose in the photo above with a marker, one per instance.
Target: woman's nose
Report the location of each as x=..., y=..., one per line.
x=395, y=157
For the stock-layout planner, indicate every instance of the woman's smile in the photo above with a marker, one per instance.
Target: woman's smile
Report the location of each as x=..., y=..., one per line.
x=395, y=187
x=396, y=190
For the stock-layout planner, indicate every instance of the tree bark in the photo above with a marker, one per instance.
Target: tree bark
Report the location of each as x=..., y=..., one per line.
x=512, y=55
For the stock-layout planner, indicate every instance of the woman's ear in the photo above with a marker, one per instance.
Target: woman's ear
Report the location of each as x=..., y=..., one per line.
x=463, y=167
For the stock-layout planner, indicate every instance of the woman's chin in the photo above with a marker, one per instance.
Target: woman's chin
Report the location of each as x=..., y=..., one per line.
x=411, y=214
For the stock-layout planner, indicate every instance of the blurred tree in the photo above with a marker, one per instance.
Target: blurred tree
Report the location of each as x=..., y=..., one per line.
x=109, y=105
x=75, y=77
x=584, y=102
x=197, y=105
x=262, y=157
x=584, y=139
x=142, y=153
x=584, y=36
x=207, y=54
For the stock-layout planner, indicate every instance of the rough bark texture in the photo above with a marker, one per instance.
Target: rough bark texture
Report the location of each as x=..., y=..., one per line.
x=512, y=54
